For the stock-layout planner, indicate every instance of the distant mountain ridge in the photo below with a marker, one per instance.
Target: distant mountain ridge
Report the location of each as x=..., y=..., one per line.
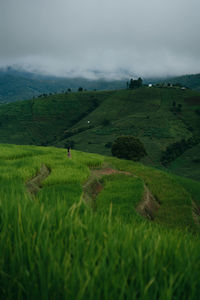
x=21, y=85
x=18, y=84
x=191, y=81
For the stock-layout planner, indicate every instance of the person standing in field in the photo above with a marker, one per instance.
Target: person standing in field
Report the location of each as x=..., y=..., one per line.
x=69, y=145
x=69, y=151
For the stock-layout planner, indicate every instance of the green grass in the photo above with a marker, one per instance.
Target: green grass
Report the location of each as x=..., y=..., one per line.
x=121, y=195
x=53, y=246
x=175, y=209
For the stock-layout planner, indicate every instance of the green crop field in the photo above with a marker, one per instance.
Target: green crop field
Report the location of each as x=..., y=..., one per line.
x=95, y=227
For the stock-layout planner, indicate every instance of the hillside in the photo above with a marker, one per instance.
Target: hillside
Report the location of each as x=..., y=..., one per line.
x=19, y=85
x=191, y=81
x=92, y=121
x=72, y=228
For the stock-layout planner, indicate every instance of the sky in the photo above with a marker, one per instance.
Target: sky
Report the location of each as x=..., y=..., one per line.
x=96, y=38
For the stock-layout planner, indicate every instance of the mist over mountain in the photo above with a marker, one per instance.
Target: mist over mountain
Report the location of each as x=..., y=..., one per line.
x=19, y=84
x=90, y=38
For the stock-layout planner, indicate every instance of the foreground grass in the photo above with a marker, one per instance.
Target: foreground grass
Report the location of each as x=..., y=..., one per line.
x=55, y=247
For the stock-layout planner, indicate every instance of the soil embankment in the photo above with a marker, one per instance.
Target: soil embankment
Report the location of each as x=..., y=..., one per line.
x=94, y=186
x=149, y=205
x=196, y=213
x=35, y=184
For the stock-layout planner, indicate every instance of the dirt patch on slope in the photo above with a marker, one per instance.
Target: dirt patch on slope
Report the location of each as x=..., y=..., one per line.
x=94, y=186
x=108, y=171
x=35, y=184
x=149, y=205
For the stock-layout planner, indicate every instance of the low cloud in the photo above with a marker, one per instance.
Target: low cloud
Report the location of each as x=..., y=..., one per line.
x=94, y=38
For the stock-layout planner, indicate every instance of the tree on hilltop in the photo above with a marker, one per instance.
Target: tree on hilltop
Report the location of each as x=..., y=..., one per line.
x=134, y=84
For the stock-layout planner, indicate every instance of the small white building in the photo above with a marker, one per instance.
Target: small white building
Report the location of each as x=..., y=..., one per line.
x=150, y=85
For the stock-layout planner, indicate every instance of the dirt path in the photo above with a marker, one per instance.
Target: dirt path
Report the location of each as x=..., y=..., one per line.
x=149, y=205
x=108, y=171
x=35, y=184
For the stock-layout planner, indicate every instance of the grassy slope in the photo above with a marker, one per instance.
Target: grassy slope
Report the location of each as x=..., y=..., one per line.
x=56, y=247
x=188, y=164
x=145, y=113
x=44, y=120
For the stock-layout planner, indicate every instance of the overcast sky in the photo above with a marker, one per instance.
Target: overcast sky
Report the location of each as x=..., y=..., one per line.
x=62, y=37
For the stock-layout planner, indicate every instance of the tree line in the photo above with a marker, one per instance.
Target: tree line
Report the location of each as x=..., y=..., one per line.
x=176, y=149
x=135, y=83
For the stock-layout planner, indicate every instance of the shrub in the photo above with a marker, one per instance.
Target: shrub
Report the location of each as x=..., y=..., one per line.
x=128, y=147
x=197, y=111
x=108, y=145
x=105, y=122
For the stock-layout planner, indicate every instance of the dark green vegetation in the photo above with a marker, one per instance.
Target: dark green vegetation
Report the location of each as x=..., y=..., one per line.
x=190, y=81
x=177, y=149
x=188, y=164
x=54, y=246
x=91, y=121
x=135, y=84
x=128, y=147
x=18, y=85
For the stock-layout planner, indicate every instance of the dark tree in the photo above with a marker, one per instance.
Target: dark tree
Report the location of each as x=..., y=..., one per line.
x=106, y=122
x=135, y=84
x=128, y=147
x=108, y=145
x=80, y=89
x=131, y=84
x=139, y=82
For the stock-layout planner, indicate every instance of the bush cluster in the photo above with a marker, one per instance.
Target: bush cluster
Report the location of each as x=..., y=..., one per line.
x=128, y=147
x=176, y=149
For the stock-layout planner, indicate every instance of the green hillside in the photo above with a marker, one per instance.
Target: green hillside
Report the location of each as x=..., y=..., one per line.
x=91, y=226
x=191, y=81
x=92, y=120
x=187, y=164
x=44, y=120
